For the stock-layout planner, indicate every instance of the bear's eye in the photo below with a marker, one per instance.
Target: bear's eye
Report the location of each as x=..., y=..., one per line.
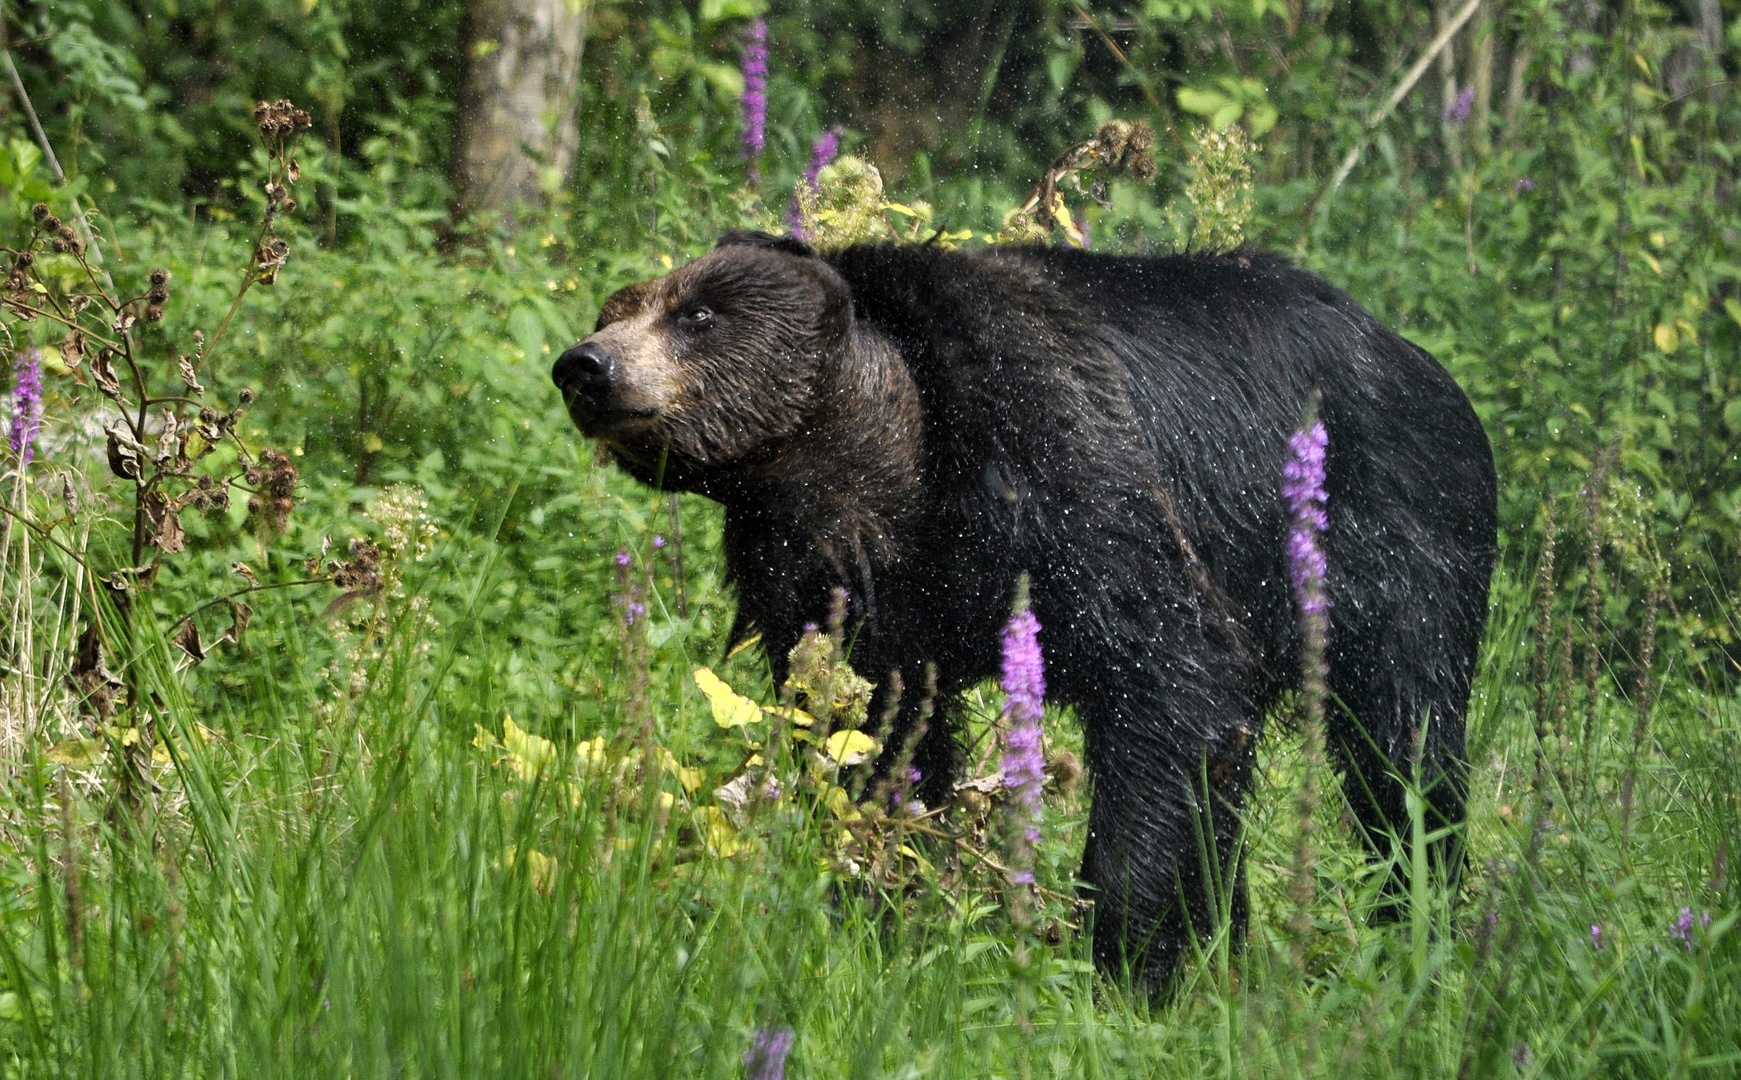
x=695, y=318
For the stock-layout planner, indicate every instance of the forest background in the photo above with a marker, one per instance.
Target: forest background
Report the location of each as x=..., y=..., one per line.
x=285, y=770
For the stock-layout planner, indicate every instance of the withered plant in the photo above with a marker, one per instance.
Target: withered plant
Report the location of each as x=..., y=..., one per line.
x=162, y=430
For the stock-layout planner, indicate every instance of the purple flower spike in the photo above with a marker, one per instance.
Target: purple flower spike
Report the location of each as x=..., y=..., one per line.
x=822, y=152
x=1682, y=928
x=755, y=98
x=1024, y=762
x=26, y=406
x=1596, y=935
x=1303, y=488
x=1458, y=111
x=766, y=1057
x=658, y=541
x=622, y=556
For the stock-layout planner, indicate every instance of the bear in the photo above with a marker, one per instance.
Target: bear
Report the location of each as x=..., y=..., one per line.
x=921, y=427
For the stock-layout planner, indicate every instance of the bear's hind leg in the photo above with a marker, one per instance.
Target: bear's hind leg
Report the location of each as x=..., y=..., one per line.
x=1164, y=857
x=1397, y=720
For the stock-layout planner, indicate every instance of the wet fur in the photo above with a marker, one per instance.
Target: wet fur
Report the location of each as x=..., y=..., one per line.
x=1115, y=427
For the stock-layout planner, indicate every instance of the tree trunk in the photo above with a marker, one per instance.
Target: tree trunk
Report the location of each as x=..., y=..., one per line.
x=516, y=136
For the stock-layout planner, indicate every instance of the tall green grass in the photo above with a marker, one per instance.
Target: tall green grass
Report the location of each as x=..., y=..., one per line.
x=351, y=895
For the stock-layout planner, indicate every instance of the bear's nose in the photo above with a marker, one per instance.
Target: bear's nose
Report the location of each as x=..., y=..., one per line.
x=586, y=367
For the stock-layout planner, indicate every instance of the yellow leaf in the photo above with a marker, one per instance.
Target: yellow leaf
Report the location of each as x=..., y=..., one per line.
x=540, y=868
x=1666, y=338
x=590, y=753
x=690, y=778
x=80, y=752
x=839, y=803
x=716, y=832
x=1651, y=259
x=484, y=740
x=531, y=754
x=1687, y=331
x=849, y=747
x=794, y=714
x=730, y=708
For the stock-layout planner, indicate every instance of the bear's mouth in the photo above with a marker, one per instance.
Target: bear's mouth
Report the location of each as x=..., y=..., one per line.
x=599, y=422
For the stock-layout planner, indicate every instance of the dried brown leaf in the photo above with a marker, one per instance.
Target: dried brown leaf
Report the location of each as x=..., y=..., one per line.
x=103, y=370
x=168, y=445
x=187, y=638
x=72, y=348
x=240, y=614
x=165, y=521
x=190, y=378
x=124, y=454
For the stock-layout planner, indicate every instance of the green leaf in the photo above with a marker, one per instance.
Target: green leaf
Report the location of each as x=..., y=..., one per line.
x=527, y=329
x=717, y=10
x=1732, y=416
x=1203, y=102
x=726, y=78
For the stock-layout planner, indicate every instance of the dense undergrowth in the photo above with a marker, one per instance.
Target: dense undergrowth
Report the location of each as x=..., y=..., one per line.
x=448, y=811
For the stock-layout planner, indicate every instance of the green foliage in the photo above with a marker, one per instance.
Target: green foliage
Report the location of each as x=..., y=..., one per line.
x=341, y=876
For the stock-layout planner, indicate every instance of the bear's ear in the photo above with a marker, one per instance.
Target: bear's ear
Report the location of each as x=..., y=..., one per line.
x=834, y=321
x=791, y=245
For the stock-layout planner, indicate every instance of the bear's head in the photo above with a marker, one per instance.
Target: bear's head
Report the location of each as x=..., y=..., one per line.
x=713, y=367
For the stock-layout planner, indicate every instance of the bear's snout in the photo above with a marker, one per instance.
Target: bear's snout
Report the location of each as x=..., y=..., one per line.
x=587, y=370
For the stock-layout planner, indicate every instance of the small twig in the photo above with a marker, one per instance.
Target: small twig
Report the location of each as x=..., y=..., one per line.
x=1106, y=39
x=1402, y=90
x=227, y=597
x=53, y=162
x=44, y=532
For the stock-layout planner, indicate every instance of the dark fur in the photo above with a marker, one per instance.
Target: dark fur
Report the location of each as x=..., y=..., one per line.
x=1115, y=427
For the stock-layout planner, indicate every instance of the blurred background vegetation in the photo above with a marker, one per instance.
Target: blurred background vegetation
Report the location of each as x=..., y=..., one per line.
x=1547, y=203
x=1550, y=208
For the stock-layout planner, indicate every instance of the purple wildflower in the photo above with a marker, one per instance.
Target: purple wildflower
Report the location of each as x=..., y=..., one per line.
x=1524, y=185
x=1596, y=935
x=632, y=611
x=658, y=541
x=1682, y=928
x=822, y=152
x=766, y=1057
x=755, y=98
x=1024, y=763
x=26, y=406
x=1521, y=1058
x=1303, y=488
x=1458, y=111
x=622, y=556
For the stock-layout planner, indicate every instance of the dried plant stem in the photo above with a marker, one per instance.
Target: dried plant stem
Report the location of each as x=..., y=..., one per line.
x=229, y=596
x=1446, y=33
x=48, y=153
x=1593, y=490
x=1647, y=690
x=1544, y=624
x=675, y=511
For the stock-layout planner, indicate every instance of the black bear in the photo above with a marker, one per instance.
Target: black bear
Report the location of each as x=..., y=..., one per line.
x=922, y=426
